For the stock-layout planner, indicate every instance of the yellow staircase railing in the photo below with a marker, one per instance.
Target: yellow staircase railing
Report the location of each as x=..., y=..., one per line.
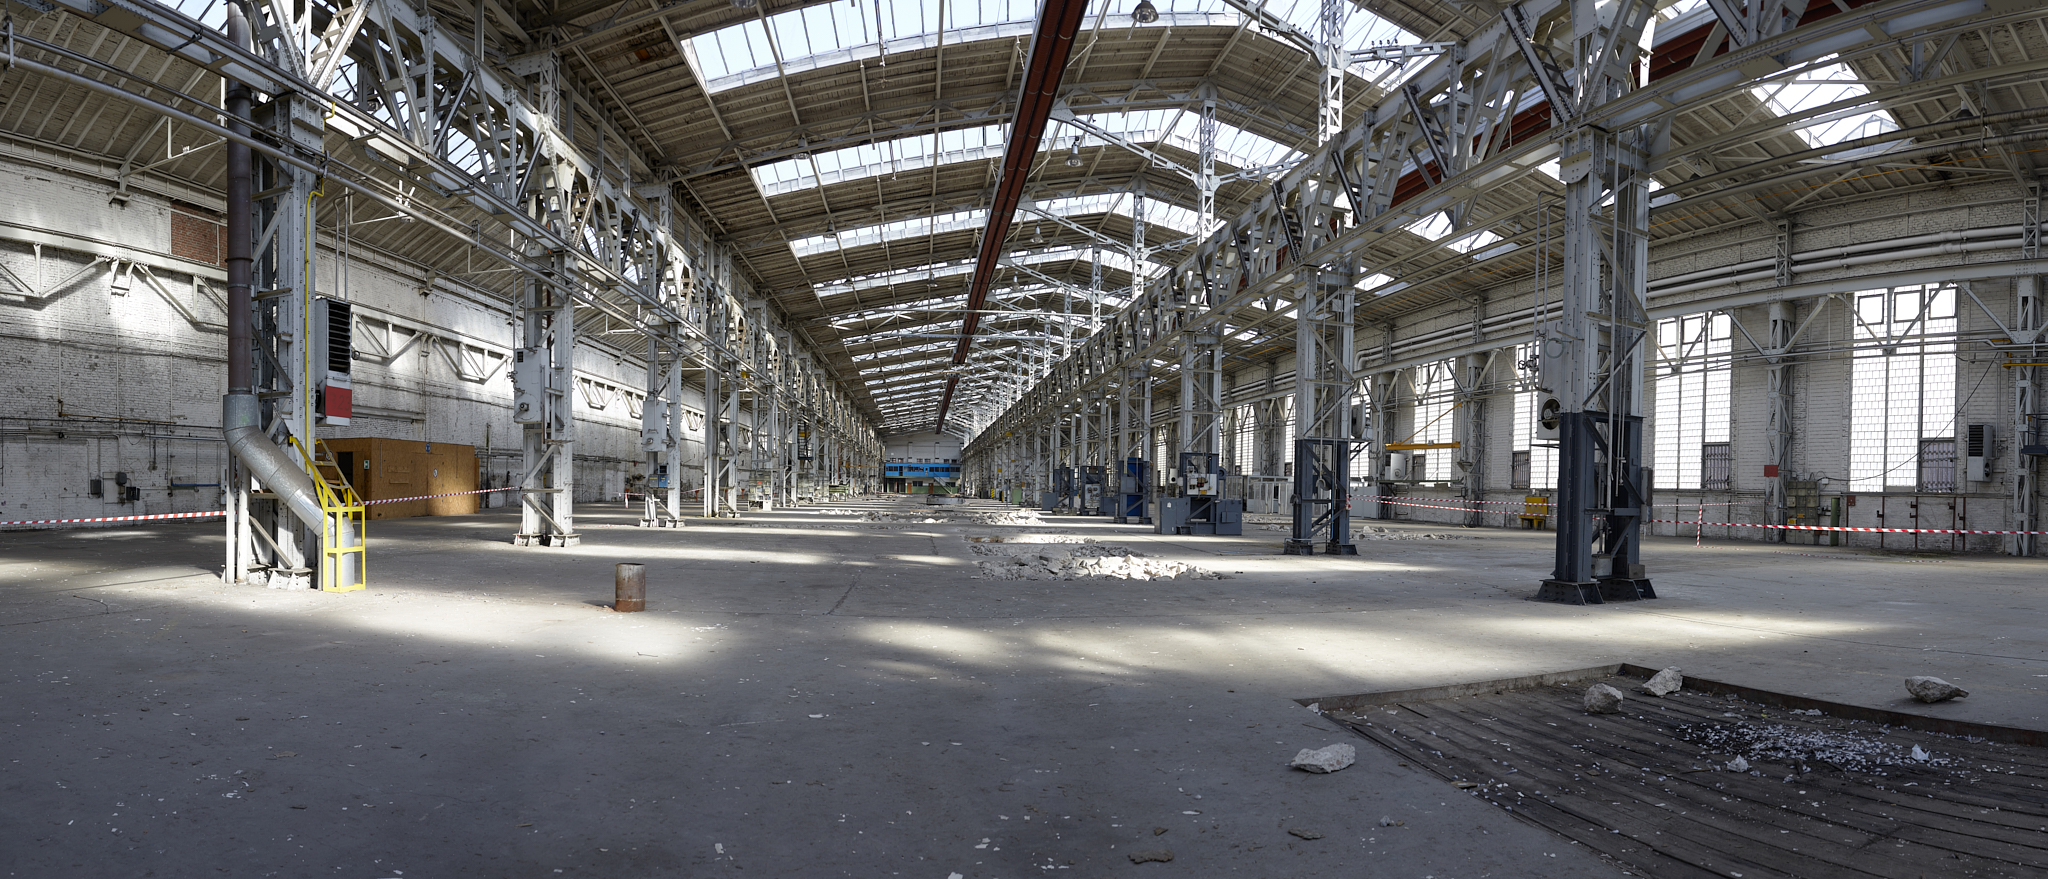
x=339, y=501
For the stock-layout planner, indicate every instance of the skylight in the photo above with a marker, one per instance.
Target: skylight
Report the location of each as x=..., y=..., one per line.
x=1235, y=147
x=924, y=273
x=1437, y=227
x=1115, y=259
x=890, y=157
x=1820, y=86
x=842, y=32
x=899, y=352
x=1169, y=218
x=937, y=224
x=1157, y=213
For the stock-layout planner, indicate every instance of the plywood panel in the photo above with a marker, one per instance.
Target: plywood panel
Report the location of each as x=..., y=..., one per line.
x=383, y=469
x=450, y=468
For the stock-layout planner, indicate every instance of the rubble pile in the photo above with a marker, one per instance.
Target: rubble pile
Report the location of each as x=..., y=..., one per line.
x=1085, y=561
x=1806, y=749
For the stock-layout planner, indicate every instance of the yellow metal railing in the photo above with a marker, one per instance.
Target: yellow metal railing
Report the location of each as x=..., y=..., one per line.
x=339, y=502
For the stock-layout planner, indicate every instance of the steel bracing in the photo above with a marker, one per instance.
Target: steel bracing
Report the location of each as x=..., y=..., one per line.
x=1536, y=141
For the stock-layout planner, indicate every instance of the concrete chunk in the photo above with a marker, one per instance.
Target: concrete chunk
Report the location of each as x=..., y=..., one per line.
x=1665, y=682
x=1603, y=699
x=1927, y=689
x=1322, y=760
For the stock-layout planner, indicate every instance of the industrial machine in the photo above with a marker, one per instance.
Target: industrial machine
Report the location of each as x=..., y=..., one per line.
x=1091, y=490
x=1132, y=482
x=1201, y=507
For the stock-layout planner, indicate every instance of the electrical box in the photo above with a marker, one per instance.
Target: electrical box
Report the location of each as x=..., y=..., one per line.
x=1397, y=465
x=1199, y=477
x=336, y=399
x=1977, y=464
x=654, y=421
x=530, y=375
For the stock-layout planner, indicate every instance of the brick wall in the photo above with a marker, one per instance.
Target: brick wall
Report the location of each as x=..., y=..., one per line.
x=198, y=234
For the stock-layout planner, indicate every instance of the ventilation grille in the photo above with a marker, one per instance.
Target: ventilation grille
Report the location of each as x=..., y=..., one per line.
x=340, y=335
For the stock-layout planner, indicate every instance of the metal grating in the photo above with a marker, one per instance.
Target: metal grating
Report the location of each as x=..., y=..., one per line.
x=1834, y=795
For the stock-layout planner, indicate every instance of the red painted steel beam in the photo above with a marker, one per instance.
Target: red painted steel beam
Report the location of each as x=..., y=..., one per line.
x=1058, y=22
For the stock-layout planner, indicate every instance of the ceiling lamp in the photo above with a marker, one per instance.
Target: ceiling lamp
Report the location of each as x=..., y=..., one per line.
x=1146, y=13
x=831, y=231
x=743, y=4
x=1074, y=153
x=1037, y=237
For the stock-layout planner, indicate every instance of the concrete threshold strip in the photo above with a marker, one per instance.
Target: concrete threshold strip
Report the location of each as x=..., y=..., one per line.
x=1721, y=779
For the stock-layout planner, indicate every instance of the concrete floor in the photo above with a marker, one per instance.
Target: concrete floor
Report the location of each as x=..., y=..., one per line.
x=812, y=696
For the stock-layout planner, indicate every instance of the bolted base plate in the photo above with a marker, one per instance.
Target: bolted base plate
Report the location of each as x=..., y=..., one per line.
x=1308, y=547
x=1564, y=592
x=1625, y=589
x=547, y=539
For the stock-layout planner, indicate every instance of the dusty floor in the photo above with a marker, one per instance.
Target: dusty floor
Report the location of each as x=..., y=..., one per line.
x=811, y=694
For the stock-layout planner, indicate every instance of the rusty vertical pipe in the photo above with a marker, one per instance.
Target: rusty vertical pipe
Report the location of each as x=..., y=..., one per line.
x=629, y=593
x=241, y=258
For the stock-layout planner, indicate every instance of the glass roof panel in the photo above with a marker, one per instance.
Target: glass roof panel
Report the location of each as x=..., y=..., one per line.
x=890, y=157
x=1820, y=86
x=899, y=352
x=1437, y=227
x=840, y=32
x=1235, y=147
x=209, y=12
x=1111, y=258
x=919, y=227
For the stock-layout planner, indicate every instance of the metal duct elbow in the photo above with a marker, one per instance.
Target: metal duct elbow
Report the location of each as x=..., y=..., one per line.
x=242, y=424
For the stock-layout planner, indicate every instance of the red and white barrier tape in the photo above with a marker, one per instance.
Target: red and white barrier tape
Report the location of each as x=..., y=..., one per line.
x=1701, y=523
x=5, y=523
x=1842, y=528
x=1389, y=498
x=1393, y=503
x=428, y=497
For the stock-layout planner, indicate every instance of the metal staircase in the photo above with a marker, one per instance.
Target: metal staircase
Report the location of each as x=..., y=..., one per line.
x=342, y=568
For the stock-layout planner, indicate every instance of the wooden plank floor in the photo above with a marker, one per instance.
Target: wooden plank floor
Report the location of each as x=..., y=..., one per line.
x=1652, y=788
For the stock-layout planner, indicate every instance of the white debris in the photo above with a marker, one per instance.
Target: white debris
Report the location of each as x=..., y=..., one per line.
x=1008, y=517
x=1323, y=760
x=1603, y=699
x=1738, y=765
x=1031, y=537
x=1919, y=754
x=1813, y=712
x=1928, y=689
x=1087, y=561
x=1377, y=533
x=1665, y=682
